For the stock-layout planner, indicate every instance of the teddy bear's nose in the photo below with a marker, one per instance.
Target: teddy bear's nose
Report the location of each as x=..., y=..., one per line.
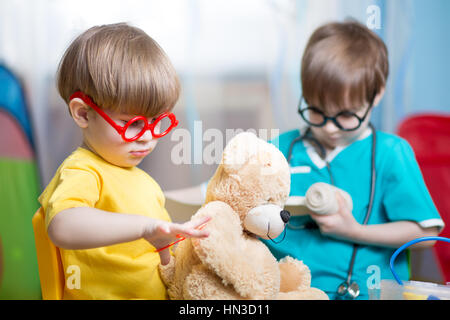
x=285, y=215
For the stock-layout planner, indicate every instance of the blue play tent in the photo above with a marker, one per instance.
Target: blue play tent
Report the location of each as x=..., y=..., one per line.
x=19, y=189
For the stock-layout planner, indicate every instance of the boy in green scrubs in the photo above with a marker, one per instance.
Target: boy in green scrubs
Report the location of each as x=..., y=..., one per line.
x=344, y=73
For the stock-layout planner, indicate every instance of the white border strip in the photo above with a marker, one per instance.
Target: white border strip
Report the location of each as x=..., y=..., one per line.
x=432, y=223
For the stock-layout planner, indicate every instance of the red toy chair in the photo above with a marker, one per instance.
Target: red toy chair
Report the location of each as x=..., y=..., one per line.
x=429, y=136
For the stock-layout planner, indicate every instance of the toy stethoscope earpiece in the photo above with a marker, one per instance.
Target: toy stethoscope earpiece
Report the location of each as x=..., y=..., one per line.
x=410, y=243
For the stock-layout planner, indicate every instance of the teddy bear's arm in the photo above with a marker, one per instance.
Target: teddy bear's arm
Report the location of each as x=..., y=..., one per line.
x=167, y=272
x=240, y=261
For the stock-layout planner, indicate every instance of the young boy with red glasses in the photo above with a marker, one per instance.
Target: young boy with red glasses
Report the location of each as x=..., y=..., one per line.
x=106, y=215
x=343, y=76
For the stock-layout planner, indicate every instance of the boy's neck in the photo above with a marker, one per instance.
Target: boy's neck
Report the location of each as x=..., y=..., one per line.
x=329, y=150
x=85, y=146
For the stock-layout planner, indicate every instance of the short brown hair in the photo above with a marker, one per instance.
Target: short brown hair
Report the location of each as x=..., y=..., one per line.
x=121, y=68
x=344, y=66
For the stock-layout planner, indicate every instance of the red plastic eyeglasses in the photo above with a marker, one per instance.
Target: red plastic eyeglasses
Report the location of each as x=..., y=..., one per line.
x=137, y=126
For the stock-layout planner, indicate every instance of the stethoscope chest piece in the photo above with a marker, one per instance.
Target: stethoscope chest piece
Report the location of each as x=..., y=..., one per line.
x=352, y=290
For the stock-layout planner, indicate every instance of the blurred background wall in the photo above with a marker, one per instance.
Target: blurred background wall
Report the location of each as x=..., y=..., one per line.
x=238, y=61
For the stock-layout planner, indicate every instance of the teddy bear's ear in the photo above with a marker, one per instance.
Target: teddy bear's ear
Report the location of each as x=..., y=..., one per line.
x=238, y=151
x=246, y=148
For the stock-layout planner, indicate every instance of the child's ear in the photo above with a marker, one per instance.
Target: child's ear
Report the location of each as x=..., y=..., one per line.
x=378, y=97
x=79, y=111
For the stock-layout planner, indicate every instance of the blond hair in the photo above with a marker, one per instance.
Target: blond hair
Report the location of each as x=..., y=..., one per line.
x=344, y=66
x=121, y=68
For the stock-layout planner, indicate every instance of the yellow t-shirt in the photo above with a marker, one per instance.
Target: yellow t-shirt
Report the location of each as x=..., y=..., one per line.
x=123, y=271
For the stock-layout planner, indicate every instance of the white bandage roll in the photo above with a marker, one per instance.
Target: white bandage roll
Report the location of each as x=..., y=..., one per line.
x=321, y=198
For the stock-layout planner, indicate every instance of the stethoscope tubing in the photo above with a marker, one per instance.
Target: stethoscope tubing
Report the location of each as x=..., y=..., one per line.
x=406, y=245
x=372, y=185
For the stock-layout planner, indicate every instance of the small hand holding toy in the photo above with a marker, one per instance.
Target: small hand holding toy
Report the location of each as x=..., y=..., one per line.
x=321, y=198
x=180, y=238
x=162, y=234
x=331, y=209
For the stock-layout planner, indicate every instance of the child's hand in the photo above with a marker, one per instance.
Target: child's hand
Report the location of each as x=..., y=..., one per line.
x=341, y=224
x=161, y=233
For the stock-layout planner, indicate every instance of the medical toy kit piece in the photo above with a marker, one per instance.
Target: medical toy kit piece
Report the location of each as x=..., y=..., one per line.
x=410, y=290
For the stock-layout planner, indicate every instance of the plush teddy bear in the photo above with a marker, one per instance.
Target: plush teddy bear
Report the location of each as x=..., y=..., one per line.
x=245, y=200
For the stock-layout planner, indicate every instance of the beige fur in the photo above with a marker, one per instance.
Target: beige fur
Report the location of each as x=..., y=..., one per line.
x=230, y=263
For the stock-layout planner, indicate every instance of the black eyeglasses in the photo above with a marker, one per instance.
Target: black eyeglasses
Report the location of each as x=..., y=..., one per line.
x=344, y=120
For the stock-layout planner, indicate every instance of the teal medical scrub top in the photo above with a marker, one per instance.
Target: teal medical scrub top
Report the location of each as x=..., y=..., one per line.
x=400, y=194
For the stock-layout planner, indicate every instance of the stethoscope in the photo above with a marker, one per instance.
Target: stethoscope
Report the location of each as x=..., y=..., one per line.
x=347, y=287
